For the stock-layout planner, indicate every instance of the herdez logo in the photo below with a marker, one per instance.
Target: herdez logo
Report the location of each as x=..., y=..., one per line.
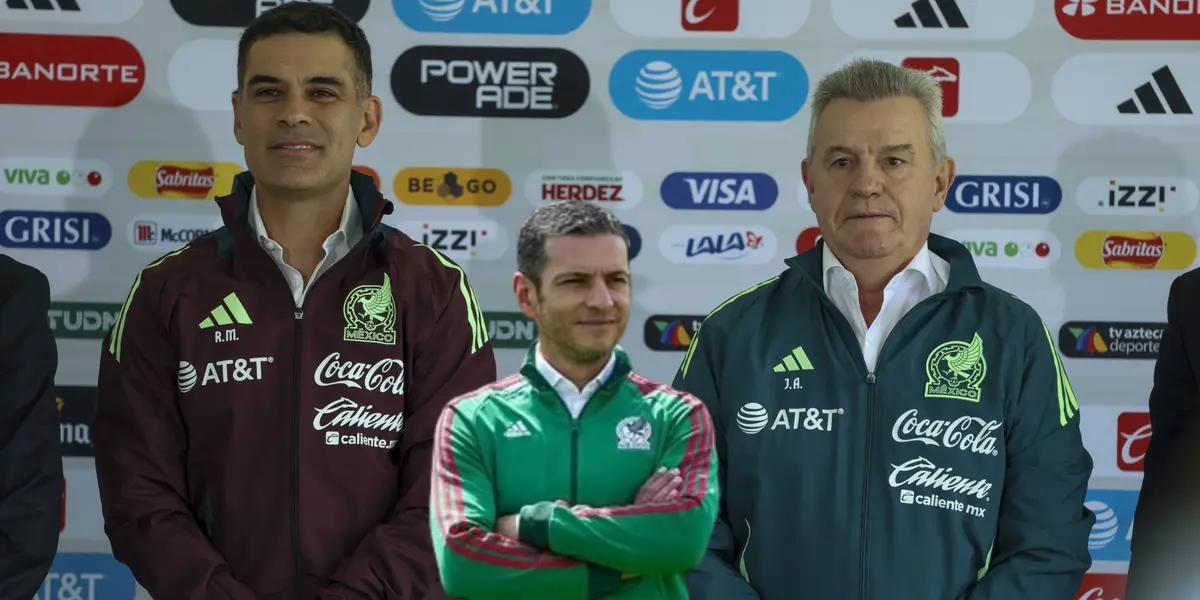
x=478, y=81
x=1095, y=339
x=510, y=329
x=520, y=17
x=1129, y=19
x=998, y=194
x=708, y=85
x=182, y=180
x=82, y=320
x=613, y=189
x=445, y=186
x=1164, y=250
x=54, y=230
x=671, y=332
x=63, y=177
x=69, y=70
x=76, y=410
x=1137, y=196
x=239, y=13
x=370, y=314
x=460, y=240
x=719, y=191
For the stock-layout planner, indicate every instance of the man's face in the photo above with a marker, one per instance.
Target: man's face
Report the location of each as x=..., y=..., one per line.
x=298, y=115
x=871, y=180
x=583, y=304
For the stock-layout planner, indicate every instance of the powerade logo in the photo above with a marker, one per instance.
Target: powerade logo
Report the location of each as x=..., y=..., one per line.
x=708, y=85
x=1113, y=530
x=54, y=230
x=524, y=17
x=719, y=191
x=90, y=576
x=995, y=194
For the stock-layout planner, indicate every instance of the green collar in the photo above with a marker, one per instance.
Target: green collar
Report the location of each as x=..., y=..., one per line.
x=963, y=273
x=621, y=369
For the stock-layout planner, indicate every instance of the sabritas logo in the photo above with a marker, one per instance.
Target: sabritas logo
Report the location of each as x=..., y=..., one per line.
x=1137, y=196
x=69, y=70
x=1129, y=19
x=1009, y=248
x=447, y=186
x=1133, y=439
x=611, y=189
x=79, y=177
x=510, y=329
x=182, y=180
x=1102, y=586
x=1165, y=250
x=1094, y=339
x=671, y=332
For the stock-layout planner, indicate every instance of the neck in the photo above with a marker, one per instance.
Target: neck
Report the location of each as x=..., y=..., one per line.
x=577, y=372
x=302, y=224
x=872, y=276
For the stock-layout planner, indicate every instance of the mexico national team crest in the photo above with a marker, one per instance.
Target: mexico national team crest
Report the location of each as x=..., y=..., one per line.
x=370, y=312
x=955, y=370
x=633, y=433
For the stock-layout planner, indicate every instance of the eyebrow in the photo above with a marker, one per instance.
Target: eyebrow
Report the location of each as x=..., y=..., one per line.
x=328, y=80
x=570, y=274
x=886, y=149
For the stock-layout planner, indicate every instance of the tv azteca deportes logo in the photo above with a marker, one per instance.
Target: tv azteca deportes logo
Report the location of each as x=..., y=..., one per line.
x=1110, y=339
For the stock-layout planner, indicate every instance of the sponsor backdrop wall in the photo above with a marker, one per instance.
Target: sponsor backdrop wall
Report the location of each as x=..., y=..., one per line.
x=1070, y=121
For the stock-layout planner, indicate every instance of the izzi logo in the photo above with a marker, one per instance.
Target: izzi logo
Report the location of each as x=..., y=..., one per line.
x=933, y=19
x=708, y=85
x=1009, y=248
x=479, y=81
x=239, y=13
x=1137, y=196
x=89, y=71
x=510, y=329
x=996, y=194
x=519, y=17
x=614, y=190
x=671, y=332
x=719, y=191
x=460, y=240
x=110, y=12
x=82, y=320
x=1129, y=19
x=635, y=240
x=1102, y=339
x=447, y=186
x=76, y=411
x=718, y=244
x=54, y=230
x=1137, y=89
x=78, y=177
x=87, y=576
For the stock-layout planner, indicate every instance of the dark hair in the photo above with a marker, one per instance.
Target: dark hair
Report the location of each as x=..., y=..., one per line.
x=569, y=217
x=311, y=18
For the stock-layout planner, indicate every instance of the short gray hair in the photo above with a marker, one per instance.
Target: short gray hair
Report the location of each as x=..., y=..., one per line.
x=562, y=217
x=866, y=80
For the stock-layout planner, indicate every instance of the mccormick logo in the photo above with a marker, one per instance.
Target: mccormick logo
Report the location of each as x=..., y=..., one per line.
x=708, y=85
x=1129, y=19
x=510, y=329
x=1009, y=248
x=717, y=244
x=448, y=186
x=111, y=12
x=78, y=177
x=612, y=189
x=165, y=232
x=1137, y=196
x=182, y=180
x=1102, y=586
x=82, y=320
x=239, y=13
x=54, y=230
x=69, y=70
x=711, y=18
x=671, y=332
x=933, y=19
x=1089, y=339
x=719, y=191
x=1113, y=529
x=1133, y=439
x=76, y=411
x=807, y=240
x=460, y=240
x=519, y=17
x=1164, y=250
x=996, y=194
x=478, y=81
x=87, y=576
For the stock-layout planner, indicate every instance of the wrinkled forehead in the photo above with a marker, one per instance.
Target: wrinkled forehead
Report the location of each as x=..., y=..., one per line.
x=875, y=127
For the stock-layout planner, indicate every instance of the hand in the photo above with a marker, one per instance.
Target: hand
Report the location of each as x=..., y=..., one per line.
x=665, y=484
x=509, y=526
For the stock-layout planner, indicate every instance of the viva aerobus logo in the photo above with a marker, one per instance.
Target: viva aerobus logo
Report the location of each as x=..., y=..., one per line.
x=54, y=230
x=518, y=17
x=63, y=177
x=719, y=191
x=69, y=70
x=708, y=85
x=1110, y=339
x=239, y=13
x=499, y=82
x=82, y=320
x=510, y=329
x=671, y=332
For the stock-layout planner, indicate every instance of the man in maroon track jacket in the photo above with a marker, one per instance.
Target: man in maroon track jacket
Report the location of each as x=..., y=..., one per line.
x=268, y=394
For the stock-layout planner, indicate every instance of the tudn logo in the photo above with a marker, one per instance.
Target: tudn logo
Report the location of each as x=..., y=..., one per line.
x=659, y=84
x=187, y=376
x=441, y=11
x=752, y=418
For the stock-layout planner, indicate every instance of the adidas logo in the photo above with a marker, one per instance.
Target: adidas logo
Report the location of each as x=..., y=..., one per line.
x=924, y=15
x=63, y=5
x=229, y=312
x=517, y=429
x=796, y=361
x=1167, y=99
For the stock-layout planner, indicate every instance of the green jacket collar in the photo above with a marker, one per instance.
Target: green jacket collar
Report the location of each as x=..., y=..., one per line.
x=621, y=369
x=963, y=273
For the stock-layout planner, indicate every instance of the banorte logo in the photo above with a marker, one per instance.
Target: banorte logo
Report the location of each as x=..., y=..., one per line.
x=1163, y=250
x=1133, y=439
x=1129, y=19
x=69, y=70
x=181, y=180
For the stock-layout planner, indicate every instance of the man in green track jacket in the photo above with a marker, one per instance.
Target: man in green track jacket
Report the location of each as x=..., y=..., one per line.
x=575, y=478
x=888, y=425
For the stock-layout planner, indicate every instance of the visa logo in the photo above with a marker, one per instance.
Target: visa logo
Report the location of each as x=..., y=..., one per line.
x=54, y=230
x=708, y=85
x=719, y=191
x=994, y=194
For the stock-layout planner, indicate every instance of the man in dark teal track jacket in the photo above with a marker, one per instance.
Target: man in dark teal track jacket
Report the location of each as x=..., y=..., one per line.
x=888, y=424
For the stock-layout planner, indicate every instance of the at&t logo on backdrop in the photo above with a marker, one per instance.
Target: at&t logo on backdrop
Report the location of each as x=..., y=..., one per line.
x=708, y=85
x=719, y=191
x=718, y=244
x=997, y=194
x=711, y=18
x=1114, y=509
x=635, y=240
x=524, y=17
x=88, y=576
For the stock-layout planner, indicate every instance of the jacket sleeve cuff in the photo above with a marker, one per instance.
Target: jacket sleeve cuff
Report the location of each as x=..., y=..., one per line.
x=602, y=581
x=533, y=524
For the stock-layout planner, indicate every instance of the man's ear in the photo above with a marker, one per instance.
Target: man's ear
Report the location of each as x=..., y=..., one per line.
x=943, y=180
x=526, y=292
x=371, y=121
x=236, y=98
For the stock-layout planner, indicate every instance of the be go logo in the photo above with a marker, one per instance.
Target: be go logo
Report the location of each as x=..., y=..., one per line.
x=523, y=17
x=444, y=186
x=708, y=85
